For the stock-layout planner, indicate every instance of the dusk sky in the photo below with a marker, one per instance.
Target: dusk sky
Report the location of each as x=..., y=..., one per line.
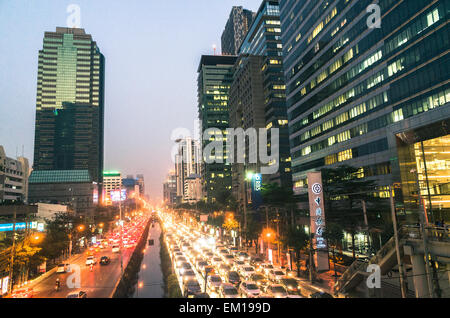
x=152, y=50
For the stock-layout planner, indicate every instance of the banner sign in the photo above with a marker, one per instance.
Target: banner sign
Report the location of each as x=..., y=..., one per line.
x=256, y=191
x=317, y=219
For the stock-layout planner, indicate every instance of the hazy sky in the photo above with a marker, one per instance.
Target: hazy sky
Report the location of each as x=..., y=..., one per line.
x=152, y=50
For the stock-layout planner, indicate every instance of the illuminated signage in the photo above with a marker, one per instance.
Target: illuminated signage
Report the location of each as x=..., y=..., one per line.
x=4, y=284
x=256, y=190
x=115, y=195
x=317, y=219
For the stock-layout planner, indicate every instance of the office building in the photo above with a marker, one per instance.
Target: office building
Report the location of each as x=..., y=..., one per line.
x=70, y=104
x=112, y=187
x=170, y=189
x=187, y=164
x=14, y=175
x=73, y=188
x=214, y=81
x=236, y=28
x=247, y=110
x=372, y=98
x=264, y=39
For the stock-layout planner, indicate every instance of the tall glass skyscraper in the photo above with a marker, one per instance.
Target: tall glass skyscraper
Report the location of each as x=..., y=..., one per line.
x=70, y=104
x=373, y=98
x=235, y=30
x=264, y=39
x=214, y=81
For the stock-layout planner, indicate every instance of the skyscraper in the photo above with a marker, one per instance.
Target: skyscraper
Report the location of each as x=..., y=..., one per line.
x=373, y=98
x=214, y=81
x=187, y=164
x=264, y=39
x=70, y=104
x=235, y=30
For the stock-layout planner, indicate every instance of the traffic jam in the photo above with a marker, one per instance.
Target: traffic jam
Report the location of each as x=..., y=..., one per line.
x=209, y=268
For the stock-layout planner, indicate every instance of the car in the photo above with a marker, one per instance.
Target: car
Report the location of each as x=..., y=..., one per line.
x=90, y=260
x=213, y=282
x=115, y=249
x=191, y=288
x=224, y=269
x=180, y=260
x=234, y=250
x=265, y=268
x=256, y=261
x=105, y=260
x=243, y=256
x=249, y=289
x=260, y=280
x=202, y=295
x=228, y=291
x=276, y=274
x=276, y=291
x=238, y=264
x=183, y=267
x=216, y=261
x=291, y=285
x=78, y=294
x=228, y=259
x=188, y=274
x=63, y=268
x=201, y=265
x=321, y=295
x=233, y=278
x=246, y=271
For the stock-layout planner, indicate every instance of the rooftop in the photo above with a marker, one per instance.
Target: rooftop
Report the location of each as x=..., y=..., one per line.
x=59, y=176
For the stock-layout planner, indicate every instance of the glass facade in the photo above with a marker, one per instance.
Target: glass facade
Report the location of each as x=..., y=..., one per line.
x=69, y=103
x=264, y=39
x=214, y=81
x=347, y=83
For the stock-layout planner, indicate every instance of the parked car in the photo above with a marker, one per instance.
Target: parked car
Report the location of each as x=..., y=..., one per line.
x=105, y=260
x=228, y=291
x=276, y=291
x=249, y=289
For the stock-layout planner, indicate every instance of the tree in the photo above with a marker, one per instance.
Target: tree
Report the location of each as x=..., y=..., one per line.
x=254, y=229
x=334, y=233
x=297, y=239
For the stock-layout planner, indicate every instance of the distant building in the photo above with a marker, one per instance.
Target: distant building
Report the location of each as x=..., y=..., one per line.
x=187, y=163
x=236, y=28
x=170, y=188
x=70, y=104
x=73, y=188
x=14, y=175
x=112, y=185
x=141, y=184
x=214, y=80
x=193, y=189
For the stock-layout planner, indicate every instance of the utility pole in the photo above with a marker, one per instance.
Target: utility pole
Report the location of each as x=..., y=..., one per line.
x=423, y=222
x=401, y=270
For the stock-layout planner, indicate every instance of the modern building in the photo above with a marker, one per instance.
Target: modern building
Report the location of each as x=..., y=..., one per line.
x=214, y=82
x=247, y=110
x=73, y=188
x=70, y=104
x=14, y=175
x=264, y=39
x=140, y=182
x=235, y=30
x=112, y=187
x=187, y=163
x=170, y=188
x=373, y=98
x=193, y=189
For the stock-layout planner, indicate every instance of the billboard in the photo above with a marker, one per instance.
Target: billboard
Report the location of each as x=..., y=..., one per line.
x=115, y=195
x=256, y=190
x=317, y=219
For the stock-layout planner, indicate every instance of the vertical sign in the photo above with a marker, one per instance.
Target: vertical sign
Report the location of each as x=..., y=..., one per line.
x=317, y=218
x=256, y=191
